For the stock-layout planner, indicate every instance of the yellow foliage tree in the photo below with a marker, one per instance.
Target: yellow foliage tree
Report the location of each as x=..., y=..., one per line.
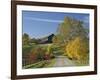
x=77, y=48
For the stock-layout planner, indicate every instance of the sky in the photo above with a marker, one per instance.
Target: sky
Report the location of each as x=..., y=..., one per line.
x=39, y=24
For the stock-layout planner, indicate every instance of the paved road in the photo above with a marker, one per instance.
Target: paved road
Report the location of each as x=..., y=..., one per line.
x=63, y=61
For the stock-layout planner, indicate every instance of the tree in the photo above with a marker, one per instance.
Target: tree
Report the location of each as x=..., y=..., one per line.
x=68, y=30
x=77, y=48
x=63, y=30
x=33, y=40
x=25, y=39
x=57, y=39
x=72, y=38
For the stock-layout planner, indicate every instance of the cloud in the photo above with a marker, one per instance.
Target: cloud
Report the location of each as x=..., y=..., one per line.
x=44, y=20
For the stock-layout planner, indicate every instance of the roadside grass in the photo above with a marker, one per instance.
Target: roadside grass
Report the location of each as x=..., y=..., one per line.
x=35, y=65
x=50, y=64
x=83, y=61
x=40, y=64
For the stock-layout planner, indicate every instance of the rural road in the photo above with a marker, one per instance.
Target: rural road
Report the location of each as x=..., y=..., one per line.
x=63, y=61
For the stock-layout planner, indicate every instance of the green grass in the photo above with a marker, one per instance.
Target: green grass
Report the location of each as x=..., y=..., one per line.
x=41, y=64
x=26, y=49
x=35, y=65
x=50, y=64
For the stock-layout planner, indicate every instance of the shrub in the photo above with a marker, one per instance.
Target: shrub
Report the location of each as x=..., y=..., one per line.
x=47, y=56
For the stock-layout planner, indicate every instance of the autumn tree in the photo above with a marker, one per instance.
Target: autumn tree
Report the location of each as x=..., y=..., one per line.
x=72, y=37
x=63, y=30
x=77, y=48
x=68, y=30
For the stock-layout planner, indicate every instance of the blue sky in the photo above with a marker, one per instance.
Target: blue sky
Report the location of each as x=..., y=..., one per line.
x=39, y=24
